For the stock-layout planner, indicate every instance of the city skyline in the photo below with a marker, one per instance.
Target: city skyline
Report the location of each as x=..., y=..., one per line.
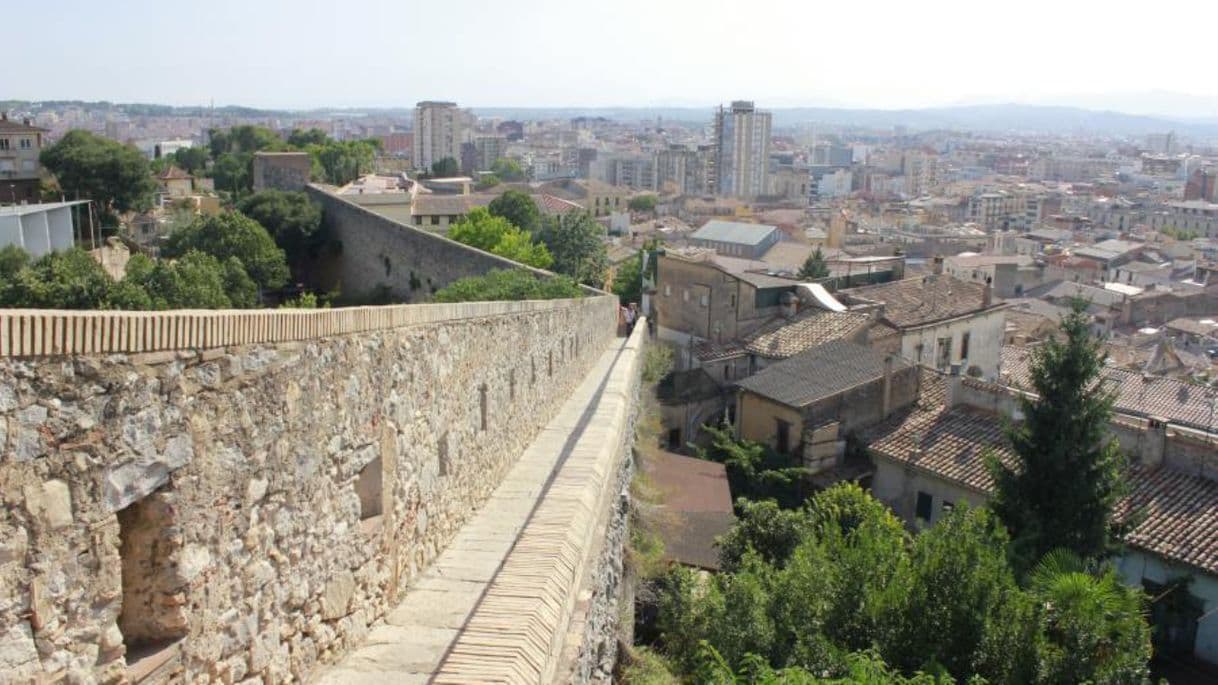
x=307, y=55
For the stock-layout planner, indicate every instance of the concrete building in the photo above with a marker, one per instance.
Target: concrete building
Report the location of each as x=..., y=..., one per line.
x=439, y=130
x=1194, y=216
x=742, y=140
x=735, y=239
x=282, y=170
x=683, y=170
x=1008, y=275
x=20, y=170
x=39, y=228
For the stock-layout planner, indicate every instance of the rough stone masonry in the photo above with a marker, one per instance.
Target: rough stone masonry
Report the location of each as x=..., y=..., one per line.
x=252, y=510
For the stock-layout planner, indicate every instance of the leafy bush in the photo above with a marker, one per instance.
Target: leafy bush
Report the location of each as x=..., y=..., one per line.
x=508, y=284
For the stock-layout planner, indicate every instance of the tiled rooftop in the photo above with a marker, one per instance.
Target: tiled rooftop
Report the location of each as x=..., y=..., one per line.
x=917, y=301
x=782, y=337
x=1180, y=510
x=1137, y=394
x=820, y=372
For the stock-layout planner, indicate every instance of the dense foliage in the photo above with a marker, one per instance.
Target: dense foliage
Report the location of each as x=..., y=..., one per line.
x=445, y=168
x=814, y=266
x=508, y=170
x=628, y=280
x=114, y=175
x=72, y=279
x=509, y=284
x=642, y=203
x=1067, y=478
x=294, y=222
x=233, y=234
x=811, y=589
x=498, y=236
x=754, y=471
x=575, y=241
x=518, y=208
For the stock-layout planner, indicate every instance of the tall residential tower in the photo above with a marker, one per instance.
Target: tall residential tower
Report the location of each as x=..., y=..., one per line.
x=439, y=130
x=742, y=159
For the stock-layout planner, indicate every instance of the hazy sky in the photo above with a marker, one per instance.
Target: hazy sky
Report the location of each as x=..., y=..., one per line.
x=877, y=53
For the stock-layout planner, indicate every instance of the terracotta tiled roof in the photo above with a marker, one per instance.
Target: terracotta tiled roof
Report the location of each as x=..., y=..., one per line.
x=947, y=443
x=557, y=205
x=707, y=351
x=1137, y=394
x=820, y=372
x=917, y=301
x=782, y=338
x=1181, y=516
x=1179, y=510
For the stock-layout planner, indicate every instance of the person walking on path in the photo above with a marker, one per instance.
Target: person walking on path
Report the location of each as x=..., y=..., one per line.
x=631, y=316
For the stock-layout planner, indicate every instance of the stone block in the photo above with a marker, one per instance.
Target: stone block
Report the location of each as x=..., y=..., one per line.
x=50, y=504
x=18, y=654
x=337, y=596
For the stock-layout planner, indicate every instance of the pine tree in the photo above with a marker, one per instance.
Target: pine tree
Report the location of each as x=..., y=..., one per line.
x=814, y=267
x=1068, y=474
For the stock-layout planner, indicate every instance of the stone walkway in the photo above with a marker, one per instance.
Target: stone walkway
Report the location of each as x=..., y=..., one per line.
x=494, y=606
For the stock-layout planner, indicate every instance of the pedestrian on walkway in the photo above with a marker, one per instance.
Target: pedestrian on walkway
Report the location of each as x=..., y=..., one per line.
x=632, y=315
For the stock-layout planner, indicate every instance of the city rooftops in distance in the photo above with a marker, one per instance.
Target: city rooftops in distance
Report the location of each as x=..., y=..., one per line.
x=734, y=232
x=435, y=103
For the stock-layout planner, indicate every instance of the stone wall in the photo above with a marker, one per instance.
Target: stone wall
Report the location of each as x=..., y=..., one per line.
x=216, y=494
x=381, y=254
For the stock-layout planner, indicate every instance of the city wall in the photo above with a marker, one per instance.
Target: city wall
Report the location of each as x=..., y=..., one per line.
x=238, y=496
x=379, y=254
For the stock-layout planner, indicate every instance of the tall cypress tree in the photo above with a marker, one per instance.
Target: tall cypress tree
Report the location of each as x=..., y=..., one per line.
x=1068, y=474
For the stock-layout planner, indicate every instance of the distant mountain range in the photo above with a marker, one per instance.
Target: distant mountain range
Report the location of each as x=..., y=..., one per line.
x=978, y=117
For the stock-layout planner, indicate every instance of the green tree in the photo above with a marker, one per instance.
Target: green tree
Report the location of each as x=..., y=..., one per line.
x=344, y=161
x=765, y=529
x=12, y=260
x=233, y=234
x=246, y=138
x=445, y=168
x=508, y=284
x=519, y=209
x=302, y=138
x=1093, y=626
x=192, y=160
x=293, y=220
x=642, y=203
x=957, y=603
x=628, y=280
x=496, y=235
x=1067, y=476
x=814, y=266
x=487, y=181
x=70, y=279
x=114, y=175
x=233, y=172
x=754, y=470
x=508, y=170
x=576, y=242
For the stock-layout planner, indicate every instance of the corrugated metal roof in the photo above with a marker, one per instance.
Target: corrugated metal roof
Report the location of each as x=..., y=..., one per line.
x=734, y=232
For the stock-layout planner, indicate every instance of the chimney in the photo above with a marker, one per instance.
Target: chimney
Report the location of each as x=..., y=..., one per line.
x=937, y=264
x=886, y=402
x=987, y=295
x=3, y=116
x=27, y=121
x=955, y=387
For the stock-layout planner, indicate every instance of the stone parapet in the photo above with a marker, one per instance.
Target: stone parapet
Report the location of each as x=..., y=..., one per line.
x=50, y=332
